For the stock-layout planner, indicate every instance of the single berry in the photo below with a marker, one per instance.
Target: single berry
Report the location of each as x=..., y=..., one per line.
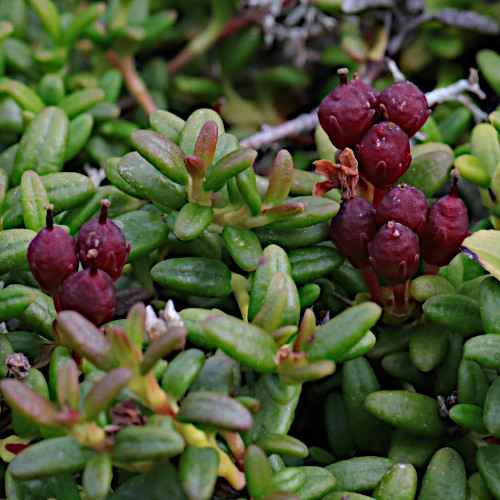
x=52, y=255
x=405, y=104
x=370, y=92
x=384, y=154
x=404, y=204
x=394, y=253
x=90, y=292
x=352, y=228
x=446, y=228
x=345, y=113
x=107, y=238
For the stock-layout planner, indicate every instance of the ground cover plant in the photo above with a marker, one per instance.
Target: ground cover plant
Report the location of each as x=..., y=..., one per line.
x=249, y=249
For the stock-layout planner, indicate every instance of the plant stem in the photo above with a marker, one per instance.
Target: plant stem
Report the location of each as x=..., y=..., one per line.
x=373, y=285
x=133, y=81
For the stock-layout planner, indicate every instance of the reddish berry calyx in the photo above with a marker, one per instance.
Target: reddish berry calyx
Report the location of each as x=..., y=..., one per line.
x=446, y=228
x=104, y=236
x=345, y=113
x=90, y=292
x=404, y=204
x=52, y=255
x=405, y=104
x=394, y=253
x=384, y=154
x=352, y=229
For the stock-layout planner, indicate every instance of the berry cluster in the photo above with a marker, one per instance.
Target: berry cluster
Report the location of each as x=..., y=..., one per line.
x=53, y=257
x=392, y=237
x=376, y=125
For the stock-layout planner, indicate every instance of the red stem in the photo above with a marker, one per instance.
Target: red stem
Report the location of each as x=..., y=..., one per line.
x=373, y=285
x=431, y=269
x=400, y=298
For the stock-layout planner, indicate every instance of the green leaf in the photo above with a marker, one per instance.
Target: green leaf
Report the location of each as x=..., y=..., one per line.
x=228, y=166
x=485, y=146
x=282, y=445
x=445, y=477
x=492, y=408
x=407, y=410
x=49, y=457
x=49, y=16
x=316, y=210
x=151, y=183
x=194, y=275
x=398, y=483
x=483, y=247
x=457, y=312
x=485, y=350
x=143, y=229
x=76, y=332
x=14, y=300
x=137, y=443
x=43, y=145
x=249, y=344
x=429, y=168
x=34, y=199
x=159, y=483
x=489, y=304
x=215, y=410
x=488, y=463
x=13, y=249
x=333, y=339
x=360, y=473
x=198, y=472
x=257, y=472
x=192, y=220
x=244, y=247
x=164, y=154
x=97, y=477
x=105, y=391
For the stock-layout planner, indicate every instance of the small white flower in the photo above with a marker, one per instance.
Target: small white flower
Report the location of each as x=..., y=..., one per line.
x=158, y=326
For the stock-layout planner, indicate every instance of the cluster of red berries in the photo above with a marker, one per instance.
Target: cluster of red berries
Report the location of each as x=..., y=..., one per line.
x=392, y=237
x=53, y=257
x=376, y=125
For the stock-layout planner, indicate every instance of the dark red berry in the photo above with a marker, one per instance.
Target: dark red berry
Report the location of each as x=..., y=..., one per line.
x=352, y=228
x=90, y=292
x=446, y=227
x=345, y=113
x=404, y=204
x=106, y=237
x=394, y=253
x=370, y=92
x=384, y=154
x=52, y=255
x=405, y=104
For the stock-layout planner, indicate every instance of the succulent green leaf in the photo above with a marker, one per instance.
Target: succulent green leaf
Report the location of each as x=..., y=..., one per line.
x=215, y=410
x=456, y=312
x=198, y=472
x=105, y=391
x=333, y=339
x=360, y=473
x=407, y=410
x=14, y=300
x=163, y=154
x=249, y=344
x=78, y=333
x=193, y=275
x=445, y=477
x=429, y=168
x=192, y=220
